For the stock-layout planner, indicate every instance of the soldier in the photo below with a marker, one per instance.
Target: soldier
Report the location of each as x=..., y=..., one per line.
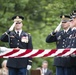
x=73, y=42
x=62, y=40
x=17, y=38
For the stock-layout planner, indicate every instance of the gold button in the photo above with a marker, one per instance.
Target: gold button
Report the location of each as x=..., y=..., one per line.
x=17, y=43
x=63, y=39
x=63, y=42
x=63, y=46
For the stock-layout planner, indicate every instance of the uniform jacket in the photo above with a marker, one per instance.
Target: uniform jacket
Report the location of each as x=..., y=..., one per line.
x=61, y=38
x=23, y=41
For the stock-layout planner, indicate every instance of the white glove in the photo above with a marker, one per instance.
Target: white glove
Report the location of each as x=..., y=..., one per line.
x=3, y=49
x=12, y=27
x=28, y=67
x=58, y=27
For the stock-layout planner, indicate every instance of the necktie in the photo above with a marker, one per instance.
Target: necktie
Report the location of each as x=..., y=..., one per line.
x=17, y=33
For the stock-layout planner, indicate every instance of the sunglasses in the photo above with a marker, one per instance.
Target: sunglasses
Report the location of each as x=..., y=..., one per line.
x=64, y=22
x=18, y=23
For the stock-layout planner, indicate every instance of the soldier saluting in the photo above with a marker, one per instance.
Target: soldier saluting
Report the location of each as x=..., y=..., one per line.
x=17, y=38
x=72, y=43
x=62, y=40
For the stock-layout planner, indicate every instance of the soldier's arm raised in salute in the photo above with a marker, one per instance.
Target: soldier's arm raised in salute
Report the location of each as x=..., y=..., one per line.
x=51, y=37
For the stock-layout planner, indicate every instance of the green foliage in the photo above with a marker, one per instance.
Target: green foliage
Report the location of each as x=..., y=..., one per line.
x=41, y=18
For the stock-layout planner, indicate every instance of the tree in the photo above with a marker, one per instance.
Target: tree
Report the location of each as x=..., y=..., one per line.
x=41, y=18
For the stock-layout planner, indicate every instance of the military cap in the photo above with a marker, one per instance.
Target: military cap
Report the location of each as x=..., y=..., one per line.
x=17, y=18
x=65, y=18
x=73, y=14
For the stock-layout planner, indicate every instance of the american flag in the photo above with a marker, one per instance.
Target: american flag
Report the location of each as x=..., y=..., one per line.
x=19, y=53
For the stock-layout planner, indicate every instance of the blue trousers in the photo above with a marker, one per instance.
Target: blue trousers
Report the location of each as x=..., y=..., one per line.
x=73, y=71
x=63, y=71
x=17, y=71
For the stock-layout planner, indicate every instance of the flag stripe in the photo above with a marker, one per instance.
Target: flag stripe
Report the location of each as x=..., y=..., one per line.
x=19, y=53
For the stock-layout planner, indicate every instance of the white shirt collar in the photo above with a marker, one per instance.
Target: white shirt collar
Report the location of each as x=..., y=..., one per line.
x=19, y=31
x=66, y=30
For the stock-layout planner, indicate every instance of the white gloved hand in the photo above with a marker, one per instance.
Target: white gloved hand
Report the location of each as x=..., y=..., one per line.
x=28, y=67
x=3, y=48
x=12, y=27
x=58, y=27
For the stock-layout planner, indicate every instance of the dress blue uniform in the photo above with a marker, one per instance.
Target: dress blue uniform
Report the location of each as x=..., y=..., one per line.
x=73, y=45
x=18, y=66
x=62, y=40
